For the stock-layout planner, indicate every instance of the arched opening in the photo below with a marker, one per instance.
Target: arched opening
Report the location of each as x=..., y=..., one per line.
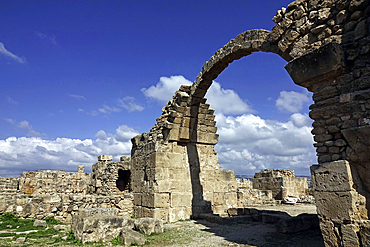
x=123, y=181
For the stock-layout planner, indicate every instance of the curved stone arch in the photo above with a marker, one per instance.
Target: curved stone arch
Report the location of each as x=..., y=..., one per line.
x=243, y=45
x=326, y=45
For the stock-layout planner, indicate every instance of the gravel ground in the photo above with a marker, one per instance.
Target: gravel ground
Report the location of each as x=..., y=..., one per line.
x=249, y=233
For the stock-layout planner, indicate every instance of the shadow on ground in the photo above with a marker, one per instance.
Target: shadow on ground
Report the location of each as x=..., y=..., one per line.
x=262, y=228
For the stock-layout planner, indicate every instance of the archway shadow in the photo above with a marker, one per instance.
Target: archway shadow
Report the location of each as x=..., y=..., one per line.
x=265, y=228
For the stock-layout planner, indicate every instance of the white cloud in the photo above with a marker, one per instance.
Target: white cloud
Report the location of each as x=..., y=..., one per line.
x=8, y=54
x=26, y=126
x=300, y=120
x=249, y=143
x=225, y=101
x=129, y=104
x=77, y=96
x=291, y=101
x=107, y=109
x=50, y=38
x=165, y=88
x=31, y=153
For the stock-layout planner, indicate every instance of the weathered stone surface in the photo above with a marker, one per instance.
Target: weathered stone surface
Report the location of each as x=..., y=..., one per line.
x=149, y=225
x=40, y=223
x=333, y=176
x=129, y=236
x=331, y=66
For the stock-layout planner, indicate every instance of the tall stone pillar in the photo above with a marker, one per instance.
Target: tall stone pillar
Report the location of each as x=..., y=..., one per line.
x=341, y=131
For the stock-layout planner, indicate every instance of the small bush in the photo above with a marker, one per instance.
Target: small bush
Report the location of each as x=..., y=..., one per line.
x=133, y=244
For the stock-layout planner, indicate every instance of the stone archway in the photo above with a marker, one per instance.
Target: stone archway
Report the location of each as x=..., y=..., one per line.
x=326, y=44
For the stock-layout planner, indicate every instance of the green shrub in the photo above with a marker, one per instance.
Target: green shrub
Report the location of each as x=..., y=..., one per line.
x=52, y=221
x=117, y=241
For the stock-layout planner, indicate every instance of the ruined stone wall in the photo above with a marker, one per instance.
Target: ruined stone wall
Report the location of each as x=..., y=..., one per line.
x=282, y=186
x=105, y=176
x=281, y=183
x=47, y=181
x=62, y=206
x=60, y=194
x=175, y=171
x=326, y=43
x=274, y=173
x=9, y=185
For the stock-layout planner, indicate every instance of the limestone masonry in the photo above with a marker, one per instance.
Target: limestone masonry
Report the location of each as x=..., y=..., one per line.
x=174, y=173
x=62, y=194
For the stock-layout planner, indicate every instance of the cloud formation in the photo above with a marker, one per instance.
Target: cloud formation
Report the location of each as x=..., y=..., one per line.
x=79, y=97
x=225, y=101
x=30, y=153
x=291, y=101
x=127, y=103
x=10, y=55
x=248, y=143
x=25, y=125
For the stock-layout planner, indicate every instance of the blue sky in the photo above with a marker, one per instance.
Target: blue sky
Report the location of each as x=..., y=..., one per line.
x=80, y=78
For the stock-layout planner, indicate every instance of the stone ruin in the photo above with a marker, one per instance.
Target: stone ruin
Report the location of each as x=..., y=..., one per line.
x=61, y=194
x=326, y=43
x=174, y=168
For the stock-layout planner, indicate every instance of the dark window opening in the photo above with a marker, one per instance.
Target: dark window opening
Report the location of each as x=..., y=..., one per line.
x=124, y=180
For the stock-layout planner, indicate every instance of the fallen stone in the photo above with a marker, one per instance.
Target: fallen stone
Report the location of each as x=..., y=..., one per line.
x=40, y=223
x=129, y=236
x=20, y=240
x=299, y=223
x=149, y=225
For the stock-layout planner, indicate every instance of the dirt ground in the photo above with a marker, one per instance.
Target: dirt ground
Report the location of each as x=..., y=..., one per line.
x=249, y=233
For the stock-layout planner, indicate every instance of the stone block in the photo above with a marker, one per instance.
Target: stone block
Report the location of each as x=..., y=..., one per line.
x=349, y=235
x=167, y=160
x=184, y=133
x=148, y=225
x=158, y=213
x=179, y=213
x=219, y=198
x=181, y=199
x=94, y=229
x=329, y=233
x=174, y=134
x=81, y=169
x=105, y=158
x=220, y=186
x=160, y=200
x=332, y=176
x=40, y=223
x=179, y=174
x=231, y=198
x=128, y=236
x=341, y=205
x=326, y=62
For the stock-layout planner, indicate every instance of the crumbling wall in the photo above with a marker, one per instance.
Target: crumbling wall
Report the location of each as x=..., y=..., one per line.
x=9, y=185
x=61, y=194
x=282, y=183
x=175, y=171
x=106, y=179
x=62, y=206
x=57, y=181
x=326, y=45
